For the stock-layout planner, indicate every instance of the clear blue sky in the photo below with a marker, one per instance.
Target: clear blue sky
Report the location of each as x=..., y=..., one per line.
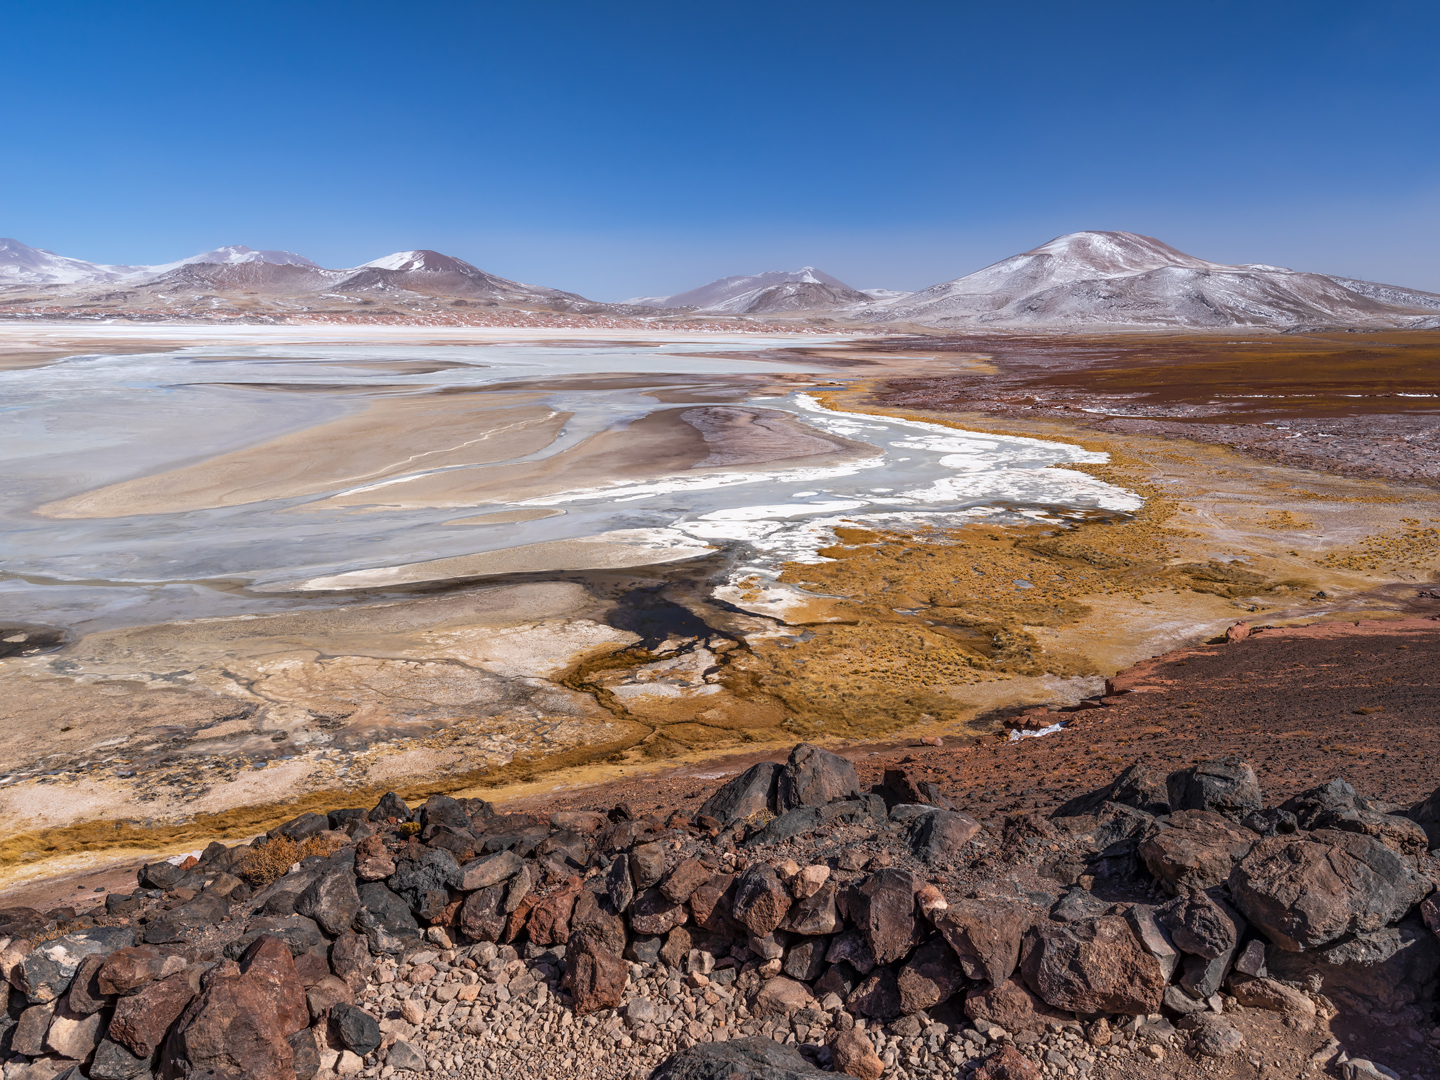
x=625, y=148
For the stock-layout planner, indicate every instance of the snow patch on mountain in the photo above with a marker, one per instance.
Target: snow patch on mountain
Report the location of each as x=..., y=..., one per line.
x=774, y=290
x=21, y=264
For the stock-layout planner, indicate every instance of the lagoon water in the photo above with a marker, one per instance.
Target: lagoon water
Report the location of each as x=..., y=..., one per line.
x=96, y=420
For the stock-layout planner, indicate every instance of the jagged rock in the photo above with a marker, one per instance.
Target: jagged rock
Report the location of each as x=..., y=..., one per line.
x=809, y=880
x=425, y=882
x=1201, y=977
x=302, y=827
x=350, y=958
x=738, y=1059
x=883, y=909
x=750, y=793
x=1226, y=785
x=711, y=903
x=114, y=1061
x=619, y=884
x=647, y=866
x=814, y=777
x=1271, y=822
x=355, y=1028
x=372, y=860
x=141, y=1020
x=1386, y=969
x=1008, y=1064
x=878, y=997
x=404, y=1056
x=801, y=821
x=1335, y=805
x=1154, y=937
x=300, y=934
x=816, y=914
x=305, y=1053
x=47, y=970
x=941, y=835
x=904, y=785
x=1135, y=787
x=549, y=918
x=931, y=975
x=1309, y=889
x=480, y=917
x=1194, y=850
x=332, y=899
x=781, y=997
x=603, y=929
x=127, y=970
x=390, y=806
x=28, y=1037
x=207, y=909
x=986, y=936
x=654, y=913
x=1011, y=1005
x=761, y=900
x=1275, y=997
x=1201, y=925
x=688, y=875
x=1211, y=1035
x=1095, y=967
x=85, y=996
x=598, y=975
x=806, y=959
x=490, y=870
x=852, y=1054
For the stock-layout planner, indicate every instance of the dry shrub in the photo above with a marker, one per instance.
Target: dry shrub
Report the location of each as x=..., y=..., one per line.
x=264, y=864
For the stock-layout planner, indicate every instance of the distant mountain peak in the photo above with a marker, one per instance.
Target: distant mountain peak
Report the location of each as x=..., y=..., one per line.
x=773, y=290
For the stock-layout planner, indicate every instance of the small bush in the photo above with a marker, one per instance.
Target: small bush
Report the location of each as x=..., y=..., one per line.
x=266, y=862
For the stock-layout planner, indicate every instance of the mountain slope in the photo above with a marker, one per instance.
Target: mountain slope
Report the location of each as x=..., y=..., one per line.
x=1116, y=279
x=773, y=291
x=431, y=273
x=21, y=264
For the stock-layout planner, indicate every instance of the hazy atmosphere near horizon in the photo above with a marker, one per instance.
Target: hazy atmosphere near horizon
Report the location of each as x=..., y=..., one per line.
x=638, y=541
x=622, y=149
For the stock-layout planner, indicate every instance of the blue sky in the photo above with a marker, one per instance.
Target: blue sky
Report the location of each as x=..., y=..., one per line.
x=624, y=148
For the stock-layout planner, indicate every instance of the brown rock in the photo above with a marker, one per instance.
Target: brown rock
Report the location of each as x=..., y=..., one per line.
x=142, y=1019
x=816, y=914
x=877, y=997
x=127, y=970
x=932, y=975
x=808, y=880
x=85, y=995
x=986, y=936
x=647, y=866
x=516, y=920
x=854, y=1056
x=597, y=977
x=372, y=861
x=710, y=904
x=851, y=948
x=548, y=922
x=350, y=958
x=1096, y=966
x=941, y=835
x=687, y=876
x=242, y=1021
x=1275, y=997
x=678, y=944
x=580, y=821
x=761, y=900
x=781, y=997
x=590, y=920
x=312, y=966
x=72, y=1035
x=1195, y=851
x=1238, y=632
x=1011, y=1005
x=883, y=909
x=1306, y=890
x=480, y=917
x=904, y=786
x=1008, y=1064
x=28, y=1036
x=654, y=913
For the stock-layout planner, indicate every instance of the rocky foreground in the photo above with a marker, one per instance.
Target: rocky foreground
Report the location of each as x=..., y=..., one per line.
x=790, y=926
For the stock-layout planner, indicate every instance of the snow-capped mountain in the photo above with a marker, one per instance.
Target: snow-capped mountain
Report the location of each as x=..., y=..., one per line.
x=21, y=264
x=1118, y=279
x=432, y=273
x=234, y=255
x=772, y=291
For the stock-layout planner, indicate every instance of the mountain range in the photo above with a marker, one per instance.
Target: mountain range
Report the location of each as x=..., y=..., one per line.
x=1084, y=281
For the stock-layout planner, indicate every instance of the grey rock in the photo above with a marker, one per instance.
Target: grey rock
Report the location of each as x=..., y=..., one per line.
x=814, y=777
x=47, y=970
x=738, y=1059
x=489, y=870
x=750, y=793
x=620, y=885
x=1386, y=969
x=1225, y=785
x=1135, y=787
x=406, y=1056
x=390, y=806
x=806, y=960
x=114, y=1061
x=941, y=835
x=1211, y=1035
x=355, y=1028
x=332, y=899
x=1201, y=925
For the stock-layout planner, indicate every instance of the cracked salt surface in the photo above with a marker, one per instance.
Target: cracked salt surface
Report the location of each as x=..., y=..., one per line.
x=100, y=419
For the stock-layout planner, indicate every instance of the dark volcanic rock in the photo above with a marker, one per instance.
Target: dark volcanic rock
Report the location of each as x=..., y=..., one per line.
x=1226, y=786
x=878, y=997
x=1384, y=969
x=816, y=914
x=1336, y=805
x=127, y=970
x=1194, y=850
x=47, y=970
x=385, y=920
x=745, y=796
x=114, y=1061
x=1135, y=787
x=738, y=1059
x=941, y=836
x=932, y=975
x=598, y=975
x=986, y=936
x=902, y=785
x=390, y=806
x=1201, y=925
x=761, y=900
x=356, y=1029
x=883, y=909
x=814, y=777
x=332, y=899
x=141, y=1020
x=1311, y=888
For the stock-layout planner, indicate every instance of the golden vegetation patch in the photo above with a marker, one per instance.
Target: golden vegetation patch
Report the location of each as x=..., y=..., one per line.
x=268, y=862
x=1415, y=547
x=1285, y=521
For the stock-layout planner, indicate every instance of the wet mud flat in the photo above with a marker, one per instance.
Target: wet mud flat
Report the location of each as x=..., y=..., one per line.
x=1353, y=403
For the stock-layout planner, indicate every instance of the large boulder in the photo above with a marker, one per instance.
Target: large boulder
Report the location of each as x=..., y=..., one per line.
x=1099, y=966
x=814, y=777
x=1011, y=1005
x=1135, y=787
x=242, y=1021
x=1336, y=805
x=745, y=796
x=1194, y=850
x=883, y=908
x=332, y=899
x=1309, y=889
x=738, y=1059
x=1200, y=925
x=1225, y=785
x=986, y=936
x=597, y=975
x=931, y=975
x=761, y=899
x=941, y=835
x=142, y=1020
x=47, y=970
